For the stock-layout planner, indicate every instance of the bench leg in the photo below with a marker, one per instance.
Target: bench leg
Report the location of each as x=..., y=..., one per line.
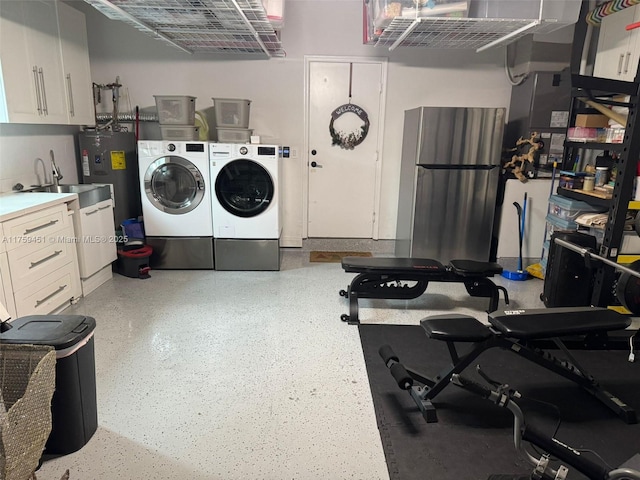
x=367, y=285
x=424, y=404
x=431, y=387
x=483, y=287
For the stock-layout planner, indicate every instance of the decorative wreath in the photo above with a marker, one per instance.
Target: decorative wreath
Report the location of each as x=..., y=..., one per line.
x=350, y=140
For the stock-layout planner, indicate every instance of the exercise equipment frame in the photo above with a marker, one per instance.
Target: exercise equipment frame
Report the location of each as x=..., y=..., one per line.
x=386, y=277
x=511, y=330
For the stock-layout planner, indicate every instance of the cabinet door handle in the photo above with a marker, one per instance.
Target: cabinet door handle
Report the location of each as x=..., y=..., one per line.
x=104, y=208
x=41, y=261
x=39, y=227
x=626, y=62
x=620, y=63
x=45, y=107
x=72, y=110
x=37, y=83
x=60, y=289
x=91, y=212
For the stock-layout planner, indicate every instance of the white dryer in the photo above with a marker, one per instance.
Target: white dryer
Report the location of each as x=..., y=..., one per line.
x=176, y=203
x=246, y=206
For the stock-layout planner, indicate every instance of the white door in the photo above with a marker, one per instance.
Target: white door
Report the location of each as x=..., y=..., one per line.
x=343, y=178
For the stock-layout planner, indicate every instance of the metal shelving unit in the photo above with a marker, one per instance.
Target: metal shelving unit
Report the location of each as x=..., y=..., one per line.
x=471, y=33
x=202, y=26
x=604, y=91
x=459, y=25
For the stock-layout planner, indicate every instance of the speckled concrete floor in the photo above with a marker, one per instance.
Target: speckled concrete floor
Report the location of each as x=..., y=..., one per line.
x=242, y=375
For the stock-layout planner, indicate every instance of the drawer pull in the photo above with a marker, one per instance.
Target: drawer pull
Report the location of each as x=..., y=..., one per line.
x=40, y=227
x=60, y=289
x=104, y=208
x=91, y=212
x=40, y=262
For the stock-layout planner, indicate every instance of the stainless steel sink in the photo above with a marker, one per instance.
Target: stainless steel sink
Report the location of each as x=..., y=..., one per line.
x=88, y=194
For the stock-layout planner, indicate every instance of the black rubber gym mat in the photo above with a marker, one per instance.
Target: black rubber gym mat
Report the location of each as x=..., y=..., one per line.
x=473, y=438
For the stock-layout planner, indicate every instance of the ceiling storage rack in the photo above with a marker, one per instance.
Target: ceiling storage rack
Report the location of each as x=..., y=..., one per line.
x=200, y=26
x=608, y=92
x=476, y=24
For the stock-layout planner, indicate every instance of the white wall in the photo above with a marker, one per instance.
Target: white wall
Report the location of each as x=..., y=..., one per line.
x=416, y=77
x=25, y=158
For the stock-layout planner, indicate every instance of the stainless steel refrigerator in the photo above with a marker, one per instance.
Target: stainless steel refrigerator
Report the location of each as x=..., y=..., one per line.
x=448, y=182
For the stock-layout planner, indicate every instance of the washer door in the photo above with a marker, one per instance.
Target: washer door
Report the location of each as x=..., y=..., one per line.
x=174, y=185
x=244, y=188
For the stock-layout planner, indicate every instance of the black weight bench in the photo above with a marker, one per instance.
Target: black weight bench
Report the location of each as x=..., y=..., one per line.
x=511, y=330
x=385, y=277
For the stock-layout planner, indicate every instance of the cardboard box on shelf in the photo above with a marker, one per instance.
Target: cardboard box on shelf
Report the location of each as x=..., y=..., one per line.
x=591, y=120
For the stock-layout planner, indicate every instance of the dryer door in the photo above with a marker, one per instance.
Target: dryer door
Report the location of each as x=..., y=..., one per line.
x=174, y=185
x=244, y=188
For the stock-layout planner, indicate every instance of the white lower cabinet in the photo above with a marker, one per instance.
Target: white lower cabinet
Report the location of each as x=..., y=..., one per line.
x=49, y=293
x=6, y=295
x=97, y=247
x=40, y=274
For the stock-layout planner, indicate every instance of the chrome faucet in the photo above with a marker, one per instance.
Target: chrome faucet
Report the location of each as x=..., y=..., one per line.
x=57, y=176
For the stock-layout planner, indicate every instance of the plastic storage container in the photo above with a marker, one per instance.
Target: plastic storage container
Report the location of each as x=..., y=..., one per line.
x=234, y=135
x=568, y=209
x=598, y=233
x=180, y=132
x=74, y=413
x=556, y=224
x=176, y=109
x=231, y=112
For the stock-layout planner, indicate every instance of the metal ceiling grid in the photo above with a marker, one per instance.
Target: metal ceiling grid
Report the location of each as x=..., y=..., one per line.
x=200, y=26
x=469, y=33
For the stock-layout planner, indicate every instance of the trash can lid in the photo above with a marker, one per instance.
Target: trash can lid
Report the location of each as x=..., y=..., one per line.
x=58, y=331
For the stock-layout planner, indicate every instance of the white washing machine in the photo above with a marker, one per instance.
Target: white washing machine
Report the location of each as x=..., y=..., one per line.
x=176, y=203
x=246, y=206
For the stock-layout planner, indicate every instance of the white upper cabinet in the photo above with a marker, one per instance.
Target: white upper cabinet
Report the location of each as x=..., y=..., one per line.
x=618, y=49
x=75, y=64
x=33, y=83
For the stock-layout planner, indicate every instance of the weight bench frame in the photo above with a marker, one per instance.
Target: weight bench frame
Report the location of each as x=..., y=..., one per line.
x=511, y=331
x=383, y=277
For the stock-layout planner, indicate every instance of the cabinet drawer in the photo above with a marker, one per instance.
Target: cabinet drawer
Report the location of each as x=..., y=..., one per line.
x=35, y=227
x=49, y=293
x=30, y=265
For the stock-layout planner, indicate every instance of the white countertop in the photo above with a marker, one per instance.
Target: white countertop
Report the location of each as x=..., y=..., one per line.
x=15, y=204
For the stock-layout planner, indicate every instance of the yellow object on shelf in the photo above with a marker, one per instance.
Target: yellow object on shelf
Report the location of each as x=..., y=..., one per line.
x=627, y=259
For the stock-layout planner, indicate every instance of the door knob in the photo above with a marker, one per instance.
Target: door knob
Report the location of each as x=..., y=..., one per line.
x=314, y=164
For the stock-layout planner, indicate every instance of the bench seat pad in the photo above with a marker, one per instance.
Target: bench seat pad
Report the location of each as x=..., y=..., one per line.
x=474, y=268
x=392, y=265
x=455, y=328
x=531, y=324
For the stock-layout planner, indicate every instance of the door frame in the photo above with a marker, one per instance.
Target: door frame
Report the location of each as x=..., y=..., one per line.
x=308, y=59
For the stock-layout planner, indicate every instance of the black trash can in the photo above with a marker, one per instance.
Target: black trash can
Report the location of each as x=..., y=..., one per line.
x=74, y=413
